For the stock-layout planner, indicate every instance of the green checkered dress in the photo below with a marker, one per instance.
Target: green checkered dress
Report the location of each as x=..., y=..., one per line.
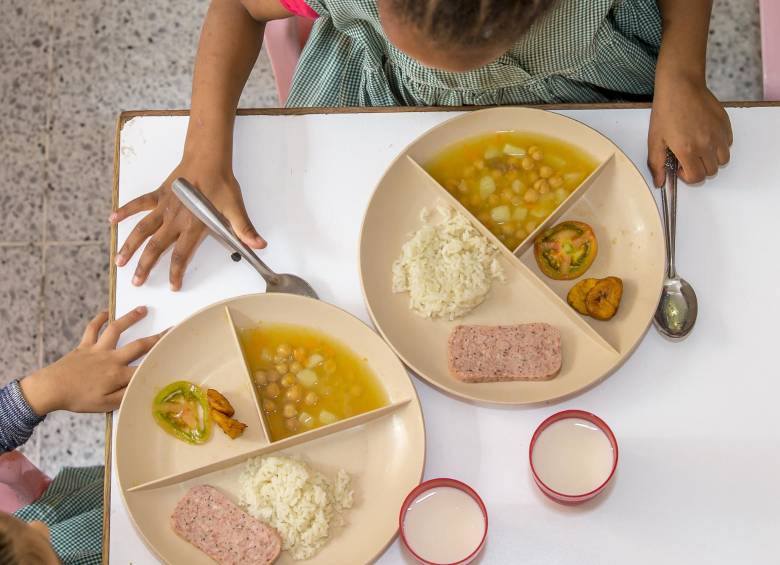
x=580, y=51
x=72, y=507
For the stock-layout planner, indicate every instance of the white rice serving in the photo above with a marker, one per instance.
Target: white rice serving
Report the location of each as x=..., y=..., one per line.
x=447, y=267
x=301, y=503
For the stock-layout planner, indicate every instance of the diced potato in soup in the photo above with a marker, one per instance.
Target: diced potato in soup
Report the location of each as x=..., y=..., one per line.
x=506, y=177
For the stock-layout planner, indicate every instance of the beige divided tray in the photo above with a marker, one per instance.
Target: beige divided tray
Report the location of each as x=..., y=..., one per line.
x=615, y=200
x=383, y=450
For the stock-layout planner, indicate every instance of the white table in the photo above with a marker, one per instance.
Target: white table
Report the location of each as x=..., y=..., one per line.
x=697, y=422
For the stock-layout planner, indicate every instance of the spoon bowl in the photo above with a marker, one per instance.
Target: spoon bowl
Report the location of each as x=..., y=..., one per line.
x=677, y=310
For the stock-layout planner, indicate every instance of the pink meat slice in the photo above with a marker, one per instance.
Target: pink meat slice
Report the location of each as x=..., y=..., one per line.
x=484, y=354
x=211, y=522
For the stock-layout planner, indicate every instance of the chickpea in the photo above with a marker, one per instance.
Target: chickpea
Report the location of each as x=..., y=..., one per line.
x=530, y=196
x=506, y=195
x=296, y=367
x=329, y=366
x=265, y=355
x=289, y=380
x=299, y=353
x=261, y=378
x=311, y=398
x=289, y=411
x=527, y=163
x=291, y=424
x=282, y=368
x=542, y=186
x=279, y=359
x=517, y=201
x=284, y=350
x=545, y=172
x=530, y=226
x=272, y=390
x=532, y=177
x=556, y=181
x=463, y=187
x=269, y=406
x=537, y=155
x=273, y=376
x=294, y=393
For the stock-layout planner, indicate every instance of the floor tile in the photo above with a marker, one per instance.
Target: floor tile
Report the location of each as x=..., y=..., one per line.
x=734, y=51
x=24, y=84
x=70, y=440
x=20, y=294
x=22, y=184
x=76, y=289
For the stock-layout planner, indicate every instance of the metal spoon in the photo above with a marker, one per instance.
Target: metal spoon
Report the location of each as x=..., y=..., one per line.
x=204, y=210
x=676, y=313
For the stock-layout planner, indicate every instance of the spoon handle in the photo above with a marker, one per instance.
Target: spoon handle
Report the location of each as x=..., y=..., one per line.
x=669, y=211
x=204, y=210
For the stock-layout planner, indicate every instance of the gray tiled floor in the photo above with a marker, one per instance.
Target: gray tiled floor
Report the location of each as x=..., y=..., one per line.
x=66, y=70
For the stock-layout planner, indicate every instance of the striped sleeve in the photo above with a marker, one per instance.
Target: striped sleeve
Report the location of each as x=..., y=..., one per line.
x=17, y=419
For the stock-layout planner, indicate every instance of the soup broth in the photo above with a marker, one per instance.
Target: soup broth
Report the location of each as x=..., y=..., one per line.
x=306, y=379
x=511, y=181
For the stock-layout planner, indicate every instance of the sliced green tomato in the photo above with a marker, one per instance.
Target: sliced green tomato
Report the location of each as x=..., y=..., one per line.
x=566, y=251
x=182, y=410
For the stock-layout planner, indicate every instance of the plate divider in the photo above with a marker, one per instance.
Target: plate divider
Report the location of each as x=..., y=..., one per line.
x=273, y=447
x=515, y=261
x=564, y=206
x=248, y=376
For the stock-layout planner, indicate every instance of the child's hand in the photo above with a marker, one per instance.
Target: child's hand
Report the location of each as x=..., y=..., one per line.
x=170, y=223
x=690, y=121
x=92, y=377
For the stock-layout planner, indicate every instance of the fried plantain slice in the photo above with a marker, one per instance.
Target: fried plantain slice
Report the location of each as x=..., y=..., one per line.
x=219, y=402
x=577, y=294
x=233, y=428
x=603, y=300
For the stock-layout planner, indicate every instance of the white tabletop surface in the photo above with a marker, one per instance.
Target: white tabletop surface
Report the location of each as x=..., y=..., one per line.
x=697, y=422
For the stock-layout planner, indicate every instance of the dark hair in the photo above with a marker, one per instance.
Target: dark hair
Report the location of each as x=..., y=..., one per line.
x=469, y=23
x=7, y=553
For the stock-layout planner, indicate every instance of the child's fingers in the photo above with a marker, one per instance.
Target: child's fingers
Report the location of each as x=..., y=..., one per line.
x=182, y=253
x=144, y=202
x=113, y=400
x=155, y=247
x=242, y=226
x=114, y=330
x=710, y=163
x=691, y=168
x=724, y=155
x=656, y=157
x=138, y=348
x=144, y=229
x=92, y=331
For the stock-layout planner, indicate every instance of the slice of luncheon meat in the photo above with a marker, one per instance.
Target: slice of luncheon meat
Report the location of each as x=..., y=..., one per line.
x=210, y=521
x=525, y=352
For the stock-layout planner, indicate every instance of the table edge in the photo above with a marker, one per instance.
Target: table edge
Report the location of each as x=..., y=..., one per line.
x=128, y=115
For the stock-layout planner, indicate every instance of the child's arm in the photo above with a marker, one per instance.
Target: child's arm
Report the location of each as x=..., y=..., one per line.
x=686, y=117
x=230, y=42
x=91, y=378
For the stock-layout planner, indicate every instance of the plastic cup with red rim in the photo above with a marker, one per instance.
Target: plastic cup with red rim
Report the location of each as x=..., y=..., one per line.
x=573, y=456
x=443, y=522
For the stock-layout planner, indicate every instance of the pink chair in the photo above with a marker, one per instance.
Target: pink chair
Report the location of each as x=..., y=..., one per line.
x=284, y=40
x=21, y=482
x=770, y=47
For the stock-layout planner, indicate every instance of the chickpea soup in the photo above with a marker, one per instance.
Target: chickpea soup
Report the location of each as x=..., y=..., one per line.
x=307, y=379
x=511, y=181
